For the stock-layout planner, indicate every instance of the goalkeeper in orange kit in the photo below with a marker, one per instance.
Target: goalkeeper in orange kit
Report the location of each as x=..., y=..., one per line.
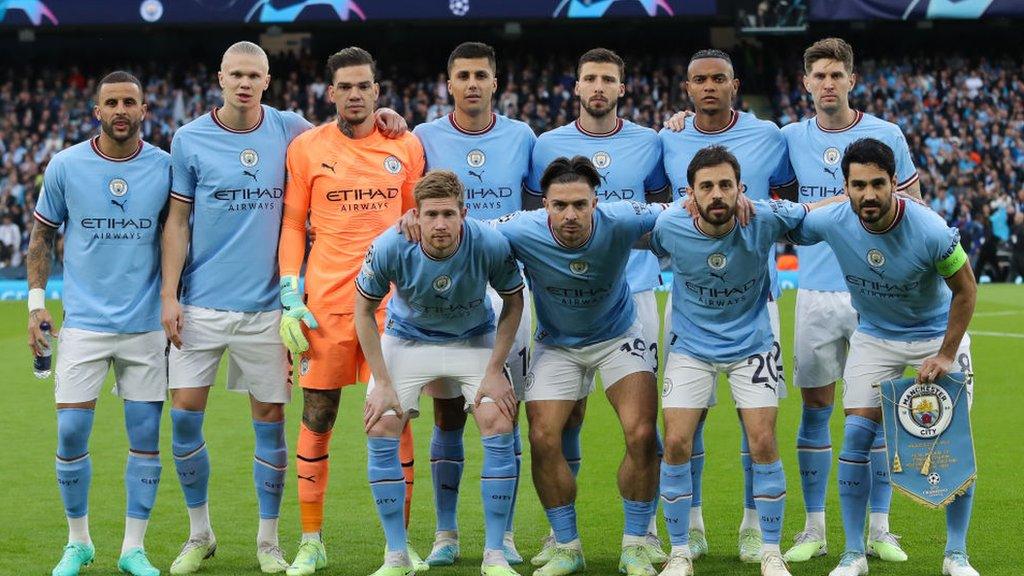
x=352, y=183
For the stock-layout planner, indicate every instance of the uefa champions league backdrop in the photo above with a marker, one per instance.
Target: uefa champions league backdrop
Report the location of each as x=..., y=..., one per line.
x=86, y=12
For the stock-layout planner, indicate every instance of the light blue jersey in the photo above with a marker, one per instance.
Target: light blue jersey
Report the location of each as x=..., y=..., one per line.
x=759, y=147
x=440, y=300
x=816, y=155
x=720, y=284
x=235, y=181
x=111, y=210
x=581, y=295
x=892, y=277
x=493, y=164
x=629, y=162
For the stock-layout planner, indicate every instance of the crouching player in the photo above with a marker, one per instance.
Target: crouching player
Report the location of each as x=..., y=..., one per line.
x=914, y=293
x=720, y=324
x=440, y=325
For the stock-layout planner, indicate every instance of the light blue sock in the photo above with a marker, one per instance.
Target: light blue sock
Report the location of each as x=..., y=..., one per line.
x=387, y=484
x=270, y=463
x=142, y=472
x=74, y=467
x=638, y=517
x=497, y=484
x=958, y=518
x=814, y=455
x=855, y=478
x=881, y=489
x=572, y=450
x=517, y=447
x=676, y=493
x=697, y=464
x=191, y=460
x=563, y=523
x=770, y=499
x=446, y=462
x=748, y=470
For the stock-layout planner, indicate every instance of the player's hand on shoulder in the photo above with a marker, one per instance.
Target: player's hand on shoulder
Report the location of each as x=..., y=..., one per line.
x=390, y=123
x=170, y=318
x=37, y=339
x=678, y=120
x=408, y=226
x=934, y=368
x=381, y=399
x=495, y=385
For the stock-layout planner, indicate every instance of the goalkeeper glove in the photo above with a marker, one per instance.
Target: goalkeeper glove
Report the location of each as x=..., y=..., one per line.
x=293, y=316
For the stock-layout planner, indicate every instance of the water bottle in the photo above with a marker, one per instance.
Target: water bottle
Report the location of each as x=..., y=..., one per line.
x=41, y=363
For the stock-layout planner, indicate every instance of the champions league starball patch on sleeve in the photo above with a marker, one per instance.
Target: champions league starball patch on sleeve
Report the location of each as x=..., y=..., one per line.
x=928, y=438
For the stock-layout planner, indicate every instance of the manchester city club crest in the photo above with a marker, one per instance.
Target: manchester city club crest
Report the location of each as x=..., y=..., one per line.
x=249, y=158
x=118, y=187
x=392, y=165
x=666, y=388
x=717, y=261
x=832, y=156
x=601, y=160
x=928, y=440
x=579, y=267
x=875, y=258
x=303, y=366
x=476, y=158
x=442, y=283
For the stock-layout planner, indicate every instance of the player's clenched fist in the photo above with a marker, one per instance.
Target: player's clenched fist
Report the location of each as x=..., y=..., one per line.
x=293, y=316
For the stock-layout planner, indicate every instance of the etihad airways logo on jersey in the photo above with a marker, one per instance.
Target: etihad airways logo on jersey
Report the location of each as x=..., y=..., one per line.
x=576, y=296
x=358, y=199
x=881, y=288
x=449, y=310
x=117, y=228
x=819, y=192
x=244, y=199
x=720, y=297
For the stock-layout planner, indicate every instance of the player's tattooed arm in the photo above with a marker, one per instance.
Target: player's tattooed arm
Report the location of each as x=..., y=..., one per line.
x=40, y=250
x=788, y=192
x=914, y=190
x=663, y=196
x=531, y=201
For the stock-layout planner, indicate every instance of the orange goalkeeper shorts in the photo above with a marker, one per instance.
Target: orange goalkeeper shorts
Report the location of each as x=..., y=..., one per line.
x=334, y=358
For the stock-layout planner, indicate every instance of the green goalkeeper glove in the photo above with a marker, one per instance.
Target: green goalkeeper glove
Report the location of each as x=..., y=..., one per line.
x=293, y=316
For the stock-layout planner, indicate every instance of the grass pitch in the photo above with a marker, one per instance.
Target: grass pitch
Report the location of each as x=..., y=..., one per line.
x=33, y=529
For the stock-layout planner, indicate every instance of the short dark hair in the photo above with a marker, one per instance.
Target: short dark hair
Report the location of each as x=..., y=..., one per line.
x=438, y=185
x=473, y=50
x=119, y=77
x=351, y=56
x=711, y=156
x=830, y=49
x=710, y=53
x=869, y=151
x=566, y=171
x=603, y=56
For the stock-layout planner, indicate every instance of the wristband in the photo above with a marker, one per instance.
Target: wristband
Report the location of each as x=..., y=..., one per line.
x=36, y=299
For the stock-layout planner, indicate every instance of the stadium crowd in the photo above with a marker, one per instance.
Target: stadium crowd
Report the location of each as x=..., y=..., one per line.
x=964, y=122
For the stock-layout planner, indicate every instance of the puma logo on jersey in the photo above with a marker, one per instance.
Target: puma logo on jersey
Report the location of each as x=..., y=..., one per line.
x=251, y=174
x=119, y=204
x=329, y=166
x=479, y=176
x=831, y=171
x=719, y=276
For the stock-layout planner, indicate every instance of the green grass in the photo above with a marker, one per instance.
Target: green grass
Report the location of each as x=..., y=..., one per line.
x=33, y=528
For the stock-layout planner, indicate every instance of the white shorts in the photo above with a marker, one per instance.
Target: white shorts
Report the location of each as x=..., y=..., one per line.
x=257, y=360
x=873, y=360
x=519, y=357
x=452, y=369
x=84, y=357
x=776, y=351
x=646, y=304
x=564, y=373
x=825, y=323
x=690, y=383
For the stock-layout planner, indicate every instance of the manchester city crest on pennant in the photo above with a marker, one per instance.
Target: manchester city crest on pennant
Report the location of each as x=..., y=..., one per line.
x=601, y=160
x=579, y=267
x=249, y=158
x=717, y=261
x=925, y=410
x=118, y=187
x=476, y=158
x=832, y=156
x=442, y=283
x=875, y=258
x=392, y=165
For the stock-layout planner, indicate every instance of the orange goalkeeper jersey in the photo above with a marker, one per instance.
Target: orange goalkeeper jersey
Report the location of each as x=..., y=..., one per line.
x=351, y=190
